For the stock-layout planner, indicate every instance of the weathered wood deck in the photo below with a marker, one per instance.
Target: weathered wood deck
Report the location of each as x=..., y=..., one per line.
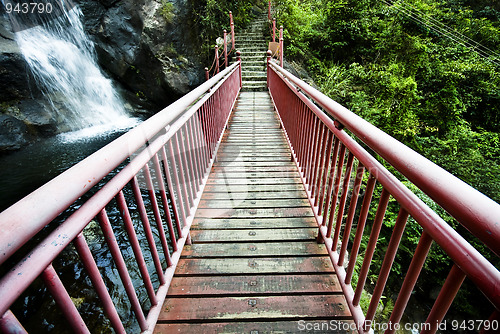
x=254, y=265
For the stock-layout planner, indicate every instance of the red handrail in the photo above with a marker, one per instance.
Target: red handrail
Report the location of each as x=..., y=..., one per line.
x=320, y=144
x=179, y=144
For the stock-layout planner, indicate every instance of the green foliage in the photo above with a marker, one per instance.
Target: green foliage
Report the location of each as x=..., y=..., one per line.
x=436, y=94
x=167, y=10
x=212, y=17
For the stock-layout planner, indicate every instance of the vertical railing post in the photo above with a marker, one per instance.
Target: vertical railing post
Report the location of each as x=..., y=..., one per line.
x=225, y=48
x=269, y=54
x=216, y=59
x=274, y=30
x=231, y=22
x=238, y=58
x=281, y=46
x=207, y=75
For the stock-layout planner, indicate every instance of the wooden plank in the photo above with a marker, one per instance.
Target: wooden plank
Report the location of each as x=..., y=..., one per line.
x=316, y=326
x=261, y=195
x=234, y=266
x=236, y=157
x=244, y=147
x=253, y=154
x=256, y=284
x=252, y=235
x=269, y=307
x=257, y=181
x=249, y=169
x=253, y=187
x=235, y=174
x=254, y=223
x=268, y=249
x=250, y=213
x=255, y=163
x=253, y=203
x=254, y=140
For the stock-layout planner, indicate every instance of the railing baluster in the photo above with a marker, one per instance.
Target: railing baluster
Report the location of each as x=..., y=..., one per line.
x=200, y=137
x=372, y=243
x=308, y=125
x=336, y=188
x=95, y=276
x=390, y=254
x=319, y=170
x=188, y=162
x=325, y=167
x=10, y=324
x=443, y=302
x=313, y=158
x=331, y=173
x=352, y=210
x=122, y=267
x=185, y=170
x=304, y=119
x=166, y=208
x=136, y=248
x=155, y=206
x=63, y=300
x=196, y=152
x=179, y=176
x=416, y=265
x=345, y=190
x=310, y=149
x=363, y=215
x=149, y=234
x=170, y=185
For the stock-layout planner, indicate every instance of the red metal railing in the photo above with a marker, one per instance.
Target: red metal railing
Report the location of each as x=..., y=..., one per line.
x=215, y=68
x=334, y=169
x=170, y=155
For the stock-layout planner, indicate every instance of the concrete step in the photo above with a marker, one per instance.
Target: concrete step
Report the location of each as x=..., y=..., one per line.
x=255, y=78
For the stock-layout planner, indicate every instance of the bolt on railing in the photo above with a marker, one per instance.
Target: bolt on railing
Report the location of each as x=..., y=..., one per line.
x=335, y=170
x=152, y=197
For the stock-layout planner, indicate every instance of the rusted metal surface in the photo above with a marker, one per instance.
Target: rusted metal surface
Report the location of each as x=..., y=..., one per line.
x=173, y=150
x=327, y=156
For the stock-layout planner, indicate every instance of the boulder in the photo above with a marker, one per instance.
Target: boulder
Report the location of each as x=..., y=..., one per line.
x=13, y=133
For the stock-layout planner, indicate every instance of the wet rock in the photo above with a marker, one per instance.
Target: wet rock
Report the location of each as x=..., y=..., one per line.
x=14, y=79
x=147, y=46
x=37, y=117
x=13, y=133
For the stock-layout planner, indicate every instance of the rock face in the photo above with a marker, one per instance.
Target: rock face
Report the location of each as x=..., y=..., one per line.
x=146, y=46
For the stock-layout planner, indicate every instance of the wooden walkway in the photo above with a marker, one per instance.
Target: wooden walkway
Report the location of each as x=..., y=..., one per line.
x=254, y=265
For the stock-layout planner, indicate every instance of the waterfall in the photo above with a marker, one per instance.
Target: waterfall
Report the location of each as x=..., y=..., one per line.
x=64, y=64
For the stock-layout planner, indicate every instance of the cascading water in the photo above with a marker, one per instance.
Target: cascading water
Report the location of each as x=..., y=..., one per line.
x=63, y=61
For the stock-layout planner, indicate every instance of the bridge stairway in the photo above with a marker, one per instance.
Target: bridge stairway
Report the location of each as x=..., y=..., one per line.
x=254, y=265
x=252, y=44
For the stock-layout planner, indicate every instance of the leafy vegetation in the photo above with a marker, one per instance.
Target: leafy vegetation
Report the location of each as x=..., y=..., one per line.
x=212, y=17
x=415, y=70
